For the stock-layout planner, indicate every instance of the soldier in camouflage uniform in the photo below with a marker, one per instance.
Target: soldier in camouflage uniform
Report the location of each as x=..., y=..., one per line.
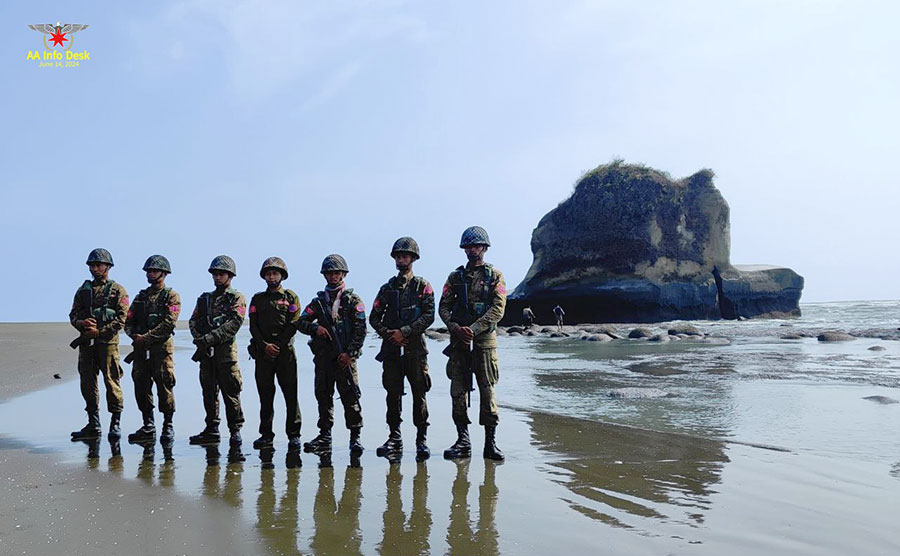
x=98, y=313
x=472, y=303
x=273, y=318
x=336, y=320
x=403, y=310
x=214, y=323
x=151, y=324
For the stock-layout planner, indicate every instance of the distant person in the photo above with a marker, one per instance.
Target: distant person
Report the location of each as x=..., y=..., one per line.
x=214, y=323
x=472, y=303
x=403, y=310
x=558, y=311
x=150, y=325
x=273, y=319
x=98, y=313
x=336, y=320
x=527, y=317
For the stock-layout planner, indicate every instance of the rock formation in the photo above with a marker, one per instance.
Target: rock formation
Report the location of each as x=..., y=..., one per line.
x=632, y=245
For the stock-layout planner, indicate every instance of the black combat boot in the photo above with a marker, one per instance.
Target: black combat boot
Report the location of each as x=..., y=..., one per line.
x=235, y=439
x=209, y=435
x=356, y=448
x=321, y=443
x=462, y=448
x=422, y=451
x=91, y=430
x=168, y=430
x=393, y=445
x=294, y=444
x=264, y=441
x=146, y=433
x=115, y=424
x=491, y=451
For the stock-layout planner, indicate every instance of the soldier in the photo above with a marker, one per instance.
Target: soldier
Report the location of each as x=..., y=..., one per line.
x=98, y=313
x=273, y=318
x=472, y=303
x=336, y=320
x=403, y=310
x=151, y=324
x=558, y=311
x=215, y=321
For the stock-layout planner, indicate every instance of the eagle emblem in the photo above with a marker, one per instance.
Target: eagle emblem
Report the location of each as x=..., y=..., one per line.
x=58, y=32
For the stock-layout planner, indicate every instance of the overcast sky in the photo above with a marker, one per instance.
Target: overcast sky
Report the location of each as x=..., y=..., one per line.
x=300, y=129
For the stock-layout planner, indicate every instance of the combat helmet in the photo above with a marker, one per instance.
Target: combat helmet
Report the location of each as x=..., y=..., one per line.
x=475, y=235
x=334, y=262
x=157, y=262
x=100, y=255
x=274, y=262
x=406, y=245
x=223, y=263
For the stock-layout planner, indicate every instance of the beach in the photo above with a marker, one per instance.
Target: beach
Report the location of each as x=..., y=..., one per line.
x=747, y=444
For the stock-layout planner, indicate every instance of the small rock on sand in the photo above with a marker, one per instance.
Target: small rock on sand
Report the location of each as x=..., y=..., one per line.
x=877, y=348
x=881, y=399
x=835, y=336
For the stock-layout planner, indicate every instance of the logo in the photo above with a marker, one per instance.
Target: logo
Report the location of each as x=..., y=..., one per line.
x=58, y=47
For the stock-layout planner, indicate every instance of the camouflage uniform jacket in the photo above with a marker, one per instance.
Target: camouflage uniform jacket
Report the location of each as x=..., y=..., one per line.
x=486, y=291
x=416, y=311
x=350, y=323
x=161, y=309
x=106, y=302
x=220, y=324
x=273, y=317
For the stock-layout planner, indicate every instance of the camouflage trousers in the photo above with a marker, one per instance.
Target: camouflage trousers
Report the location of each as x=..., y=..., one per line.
x=414, y=368
x=156, y=366
x=328, y=373
x=486, y=372
x=284, y=368
x=224, y=376
x=102, y=359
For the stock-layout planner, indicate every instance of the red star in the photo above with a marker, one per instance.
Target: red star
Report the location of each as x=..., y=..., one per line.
x=58, y=38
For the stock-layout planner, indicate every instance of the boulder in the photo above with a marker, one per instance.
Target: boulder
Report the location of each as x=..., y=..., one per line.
x=641, y=333
x=685, y=329
x=835, y=336
x=633, y=245
x=877, y=348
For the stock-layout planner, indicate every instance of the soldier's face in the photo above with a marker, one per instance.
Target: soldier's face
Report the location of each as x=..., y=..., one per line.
x=273, y=277
x=154, y=276
x=221, y=278
x=403, y=261
x=98, y=270
x=334, y=277
x=475, y=252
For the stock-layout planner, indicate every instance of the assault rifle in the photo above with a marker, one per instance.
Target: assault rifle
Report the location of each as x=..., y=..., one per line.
x=463, y=317
x=207, y=327
x=392, y=321
x=88, y=292
x=343, y=374
x=139, y=316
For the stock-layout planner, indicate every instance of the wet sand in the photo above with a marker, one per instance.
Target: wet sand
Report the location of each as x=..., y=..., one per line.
x=569, y=485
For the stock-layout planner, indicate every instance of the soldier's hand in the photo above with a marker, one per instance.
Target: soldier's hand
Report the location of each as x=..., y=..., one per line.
x=396, y=338
x=344, y=360
x=89, y=323
x=322, y=332
x=466, y=333
x=91, y=333
x=272, y=351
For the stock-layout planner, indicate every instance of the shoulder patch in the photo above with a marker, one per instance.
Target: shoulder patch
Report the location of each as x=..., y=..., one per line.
x=447, y=289
x=428, y=289
x=501, y=287
x=252, y=309
x=124, y=301
x=377, y=303
x=174, y=309
x=309, y=310
x=242, y=310
x=360, y=307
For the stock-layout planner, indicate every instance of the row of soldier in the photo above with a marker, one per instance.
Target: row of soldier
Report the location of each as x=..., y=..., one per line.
x=472, y=303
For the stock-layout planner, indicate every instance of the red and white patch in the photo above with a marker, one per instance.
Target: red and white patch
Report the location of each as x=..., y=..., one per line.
x=124, y=302
x=428, y=290
x=376, y=304
x=501, y=288
x=252, y=309
x=310, y=311
x=174, y=309
x=360, y=308
x=130, y=314
x=446, y=289
x=242, y=310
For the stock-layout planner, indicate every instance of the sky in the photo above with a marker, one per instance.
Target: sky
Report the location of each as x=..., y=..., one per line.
x=299, y=129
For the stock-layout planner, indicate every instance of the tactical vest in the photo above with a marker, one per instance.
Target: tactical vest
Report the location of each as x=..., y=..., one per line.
x=344, y=323
x=102, y=314
x=410, y=305
x=479, y=308
x=158, y=311
x=207, y=324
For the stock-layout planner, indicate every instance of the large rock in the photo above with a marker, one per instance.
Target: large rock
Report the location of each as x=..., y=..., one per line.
x=632, y=245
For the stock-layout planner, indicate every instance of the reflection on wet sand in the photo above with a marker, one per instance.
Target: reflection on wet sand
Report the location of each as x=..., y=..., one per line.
x=278, y=525
x=402, y=536
x=460, y=536
x=616, y=471
x=232, y=489
x=337, y=528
